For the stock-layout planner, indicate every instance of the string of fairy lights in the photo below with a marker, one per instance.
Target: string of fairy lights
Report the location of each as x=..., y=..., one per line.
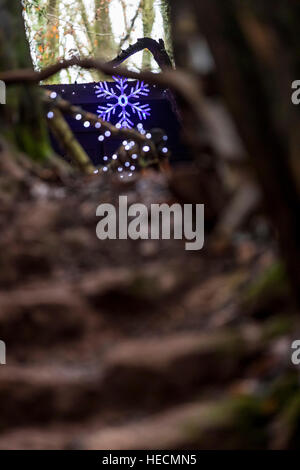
x=131, y=155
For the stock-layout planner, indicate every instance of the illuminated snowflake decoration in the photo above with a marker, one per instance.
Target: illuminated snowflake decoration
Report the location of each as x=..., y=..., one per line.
x=123, y=103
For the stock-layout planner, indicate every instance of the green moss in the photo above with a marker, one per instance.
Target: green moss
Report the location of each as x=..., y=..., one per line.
x=238, y=422
x=145, y=287
x=22, y=118
x=278, y=326
x=284, y=388
x=289, y=422
x=270, y=287
x=38, y=149
x=292, y=413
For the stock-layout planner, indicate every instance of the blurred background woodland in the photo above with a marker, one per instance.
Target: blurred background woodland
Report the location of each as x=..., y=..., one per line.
x=124, y=344
x=63, y=29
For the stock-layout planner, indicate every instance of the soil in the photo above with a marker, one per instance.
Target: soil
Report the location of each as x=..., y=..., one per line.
x=133, y=344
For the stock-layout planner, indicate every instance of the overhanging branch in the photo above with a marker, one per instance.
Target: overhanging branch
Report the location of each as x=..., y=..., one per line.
x=179, y=81
x=157, y=49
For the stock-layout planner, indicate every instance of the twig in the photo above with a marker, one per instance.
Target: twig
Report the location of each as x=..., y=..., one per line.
x=66, y=107
x=123, y=40
x=76, y=27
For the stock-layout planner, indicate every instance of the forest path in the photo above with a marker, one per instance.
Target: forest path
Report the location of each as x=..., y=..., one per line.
x=123, y=344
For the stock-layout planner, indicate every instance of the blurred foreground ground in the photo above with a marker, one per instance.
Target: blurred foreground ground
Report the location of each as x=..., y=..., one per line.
x=136, y=344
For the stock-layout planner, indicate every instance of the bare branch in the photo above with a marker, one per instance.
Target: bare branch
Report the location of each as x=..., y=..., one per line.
x=65, y=107
x=180, y=81
x=129, y=30
x=157, y=49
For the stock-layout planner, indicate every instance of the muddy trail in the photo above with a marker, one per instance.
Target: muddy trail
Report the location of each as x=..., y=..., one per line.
x=135, y=344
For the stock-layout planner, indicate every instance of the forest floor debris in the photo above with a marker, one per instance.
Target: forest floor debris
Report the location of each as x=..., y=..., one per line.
x=118, y=344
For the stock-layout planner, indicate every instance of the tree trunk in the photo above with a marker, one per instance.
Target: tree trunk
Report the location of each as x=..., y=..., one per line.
x=21, y=119
x=256, y=50
x=50, y=52
x=166, y=16
x=148, y=21
x=105, y=44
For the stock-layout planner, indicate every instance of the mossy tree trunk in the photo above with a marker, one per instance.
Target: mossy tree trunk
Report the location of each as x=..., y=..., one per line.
x=148, y=22
x=22, y=118
x=104, y=38
x=51, y=39
x=165, y=8
x=104, y=43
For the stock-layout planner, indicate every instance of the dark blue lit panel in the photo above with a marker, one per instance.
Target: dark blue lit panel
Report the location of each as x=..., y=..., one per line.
x=87, y=96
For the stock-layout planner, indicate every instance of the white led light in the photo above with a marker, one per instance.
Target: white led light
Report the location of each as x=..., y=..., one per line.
x=127, y=164
x=78, y=117
x=140, y=125
x=104, y=168
x=105, y=158
x=127, y=147
x=120, y=169
x=53, y=95
x=134, y=156
x=165, y=150
x=101, y=138
x=107, y=133
x=50, y=115
x=98, y=125
x=148, y=135
x=114, y=157
x=118, y=125
x=86, y=123
x=96, y=171
x=125, y=142
x=129, y=174
x=165, y=138
x=132, y=167
x=146, y=148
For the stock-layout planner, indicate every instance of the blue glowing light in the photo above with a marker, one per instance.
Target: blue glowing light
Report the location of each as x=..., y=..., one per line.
x=123, y=100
